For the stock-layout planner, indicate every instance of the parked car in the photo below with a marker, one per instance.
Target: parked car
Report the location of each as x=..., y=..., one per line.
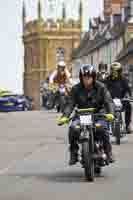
x=13, y=102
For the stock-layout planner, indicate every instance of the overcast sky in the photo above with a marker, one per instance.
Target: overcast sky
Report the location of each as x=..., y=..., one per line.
x=11, y=47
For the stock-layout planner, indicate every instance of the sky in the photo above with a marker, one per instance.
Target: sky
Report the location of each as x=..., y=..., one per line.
x=11, y=48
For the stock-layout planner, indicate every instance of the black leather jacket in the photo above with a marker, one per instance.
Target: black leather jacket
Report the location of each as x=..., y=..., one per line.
x=98, y=97
x=102, y=76
x=118, y=88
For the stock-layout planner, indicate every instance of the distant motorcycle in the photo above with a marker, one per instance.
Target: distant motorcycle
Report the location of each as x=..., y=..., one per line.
x=118, y=126
x=102, y=76
x=62, y=97
x=50, y=100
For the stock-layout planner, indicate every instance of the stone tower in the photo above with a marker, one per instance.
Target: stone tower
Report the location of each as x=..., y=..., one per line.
x=45, y=43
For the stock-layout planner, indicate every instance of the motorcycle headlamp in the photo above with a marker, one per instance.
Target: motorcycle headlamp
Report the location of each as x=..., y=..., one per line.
x=98, y=125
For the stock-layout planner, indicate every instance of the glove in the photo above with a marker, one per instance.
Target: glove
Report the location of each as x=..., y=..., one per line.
x=109, y=117
x=62, y=120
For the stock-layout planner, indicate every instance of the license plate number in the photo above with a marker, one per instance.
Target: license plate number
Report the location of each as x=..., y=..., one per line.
x=86, y=120
x=117, y=102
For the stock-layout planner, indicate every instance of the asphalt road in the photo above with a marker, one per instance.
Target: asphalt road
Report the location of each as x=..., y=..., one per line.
x=34, y=163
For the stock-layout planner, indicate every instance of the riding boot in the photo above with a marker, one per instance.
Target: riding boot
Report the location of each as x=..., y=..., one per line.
x=108, y=151
x=73, y=154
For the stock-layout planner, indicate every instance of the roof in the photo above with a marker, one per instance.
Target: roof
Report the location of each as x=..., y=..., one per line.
x=82, y=45
x=87, y=46
x=126, y=51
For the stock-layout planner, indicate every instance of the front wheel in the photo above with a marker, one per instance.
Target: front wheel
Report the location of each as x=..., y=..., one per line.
x=87, y=150
x=98, y=171
x=62, y=102
x=58, y=108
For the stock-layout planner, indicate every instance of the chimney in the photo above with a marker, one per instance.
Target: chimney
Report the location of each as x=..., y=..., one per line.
x=111, y=21
x=129, y=27
x=131, y=8
x=115, y=17
x=107, y=8
x=130, y=20
x=123, y=15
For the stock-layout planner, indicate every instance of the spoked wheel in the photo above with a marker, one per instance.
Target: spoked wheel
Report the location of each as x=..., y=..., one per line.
x=88, y=150
x=58, y=108
x=62, y=103
x=98, y=171
x=122, y=129
x=117, y=132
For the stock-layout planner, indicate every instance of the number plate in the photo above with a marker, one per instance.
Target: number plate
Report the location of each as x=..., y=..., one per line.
x=117, y=102
x=86, y=120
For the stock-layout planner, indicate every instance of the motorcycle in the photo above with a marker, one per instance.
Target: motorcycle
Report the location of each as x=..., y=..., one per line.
x=50, y=102
x=62, y=96
x=92, y=155
x=50, y=97
x=118, y=125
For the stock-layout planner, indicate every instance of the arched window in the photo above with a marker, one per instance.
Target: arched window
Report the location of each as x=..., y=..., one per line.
x=60, y=54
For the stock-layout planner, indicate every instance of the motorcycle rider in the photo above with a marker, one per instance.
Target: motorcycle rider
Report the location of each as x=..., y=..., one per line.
x=87, y=93
x=119, y=88
x=61, y=75
x=102, y=73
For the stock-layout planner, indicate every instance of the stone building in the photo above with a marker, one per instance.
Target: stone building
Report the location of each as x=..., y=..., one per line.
x=107, y=36
x=45, y=43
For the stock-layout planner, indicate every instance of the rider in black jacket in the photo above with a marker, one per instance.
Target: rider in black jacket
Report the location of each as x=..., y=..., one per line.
x=88, y=93
x=119, y=88
x=102, y=73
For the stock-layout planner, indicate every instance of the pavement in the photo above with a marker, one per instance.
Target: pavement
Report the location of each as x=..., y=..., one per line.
x=34, y=163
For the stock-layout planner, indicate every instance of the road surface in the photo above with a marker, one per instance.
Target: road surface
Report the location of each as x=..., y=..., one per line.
x=34, y=163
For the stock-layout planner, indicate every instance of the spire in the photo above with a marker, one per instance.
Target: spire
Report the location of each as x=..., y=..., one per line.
x=24, y=14
x=63, y=11
x=81, y=13
x=39, y=10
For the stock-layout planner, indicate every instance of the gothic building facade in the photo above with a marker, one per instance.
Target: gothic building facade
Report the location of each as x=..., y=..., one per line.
x=45, y=43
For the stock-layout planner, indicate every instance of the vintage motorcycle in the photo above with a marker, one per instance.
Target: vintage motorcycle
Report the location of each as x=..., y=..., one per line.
x=118, y=125
x=92, y=155
x=62, y=98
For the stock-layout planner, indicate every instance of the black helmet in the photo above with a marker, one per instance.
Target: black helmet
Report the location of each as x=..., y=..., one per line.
x=87, y=70
x=101, y=67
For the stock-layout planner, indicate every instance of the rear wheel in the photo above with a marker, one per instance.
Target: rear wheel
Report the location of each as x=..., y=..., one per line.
x=88, y=150
x=117, y=132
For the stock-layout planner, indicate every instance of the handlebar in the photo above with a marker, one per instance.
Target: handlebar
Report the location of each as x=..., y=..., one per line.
x=85, y=110
x=127, y=99
x=92, y=111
